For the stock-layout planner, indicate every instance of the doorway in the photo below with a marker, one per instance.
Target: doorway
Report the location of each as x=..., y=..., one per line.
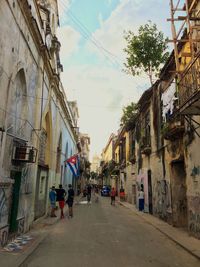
x=16, y=176
x=150, y=192
x=179, y=194
x=41, y=192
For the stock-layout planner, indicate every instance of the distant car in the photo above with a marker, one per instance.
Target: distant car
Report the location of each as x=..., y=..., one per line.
x=105, y=191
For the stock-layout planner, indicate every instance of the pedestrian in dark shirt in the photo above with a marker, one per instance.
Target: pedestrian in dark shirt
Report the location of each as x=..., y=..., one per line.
x=61, y=193
x=70, y=200
x=89, y=190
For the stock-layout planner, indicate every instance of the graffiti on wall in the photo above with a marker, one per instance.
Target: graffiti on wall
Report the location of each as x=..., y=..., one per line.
x=4, y=196
x=195, y=171
x=3, y=236
x=24, y=203
x=162, y=199
x=21, y=225
x=194, y=224
x=194, y=216
x=26, y=180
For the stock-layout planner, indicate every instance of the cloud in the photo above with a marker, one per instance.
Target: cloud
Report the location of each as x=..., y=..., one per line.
x=69, y=39
x=129, y=15
x=101, y=92
x=102, y=89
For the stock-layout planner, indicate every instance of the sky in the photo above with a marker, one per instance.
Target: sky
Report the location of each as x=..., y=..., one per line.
x=91, y=33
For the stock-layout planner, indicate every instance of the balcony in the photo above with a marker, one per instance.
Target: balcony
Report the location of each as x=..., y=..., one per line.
x=189, y=88
x=55, y=45
x=146, y=145
x=173, y=129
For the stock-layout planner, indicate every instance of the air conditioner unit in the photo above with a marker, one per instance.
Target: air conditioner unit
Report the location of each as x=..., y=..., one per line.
x=25, y=154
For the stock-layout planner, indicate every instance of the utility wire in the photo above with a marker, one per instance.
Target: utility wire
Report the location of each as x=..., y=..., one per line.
x=87, y=34
x=29, y=123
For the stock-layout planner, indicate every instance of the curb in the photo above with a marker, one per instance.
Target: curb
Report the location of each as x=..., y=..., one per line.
x=40, y=234
x=29, y=251
x=38, y=240
x=17, y=260
x=193, y=253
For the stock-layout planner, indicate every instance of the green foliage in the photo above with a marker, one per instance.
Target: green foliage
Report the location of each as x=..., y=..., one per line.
x=129, y=116
x=145, y=51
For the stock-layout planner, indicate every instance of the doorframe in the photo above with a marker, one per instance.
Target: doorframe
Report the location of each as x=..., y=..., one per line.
x=13, y=223
x=39, y=170
x=150, y=191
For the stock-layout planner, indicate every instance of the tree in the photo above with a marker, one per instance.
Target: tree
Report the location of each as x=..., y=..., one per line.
x=129, y=115
x=145, y=51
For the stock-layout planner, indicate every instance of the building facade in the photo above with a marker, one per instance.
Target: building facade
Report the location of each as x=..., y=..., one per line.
x=162, y=148
x=36, y=125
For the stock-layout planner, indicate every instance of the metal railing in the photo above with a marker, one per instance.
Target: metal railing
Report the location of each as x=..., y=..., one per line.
x=189, y=84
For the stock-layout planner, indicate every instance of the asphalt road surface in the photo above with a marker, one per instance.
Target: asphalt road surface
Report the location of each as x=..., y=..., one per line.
x=101, y=235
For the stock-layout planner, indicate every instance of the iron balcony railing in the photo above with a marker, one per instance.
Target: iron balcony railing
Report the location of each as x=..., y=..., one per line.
x=189, y=84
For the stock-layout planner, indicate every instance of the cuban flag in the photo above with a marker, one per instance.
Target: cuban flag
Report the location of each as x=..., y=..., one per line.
x=73, y=164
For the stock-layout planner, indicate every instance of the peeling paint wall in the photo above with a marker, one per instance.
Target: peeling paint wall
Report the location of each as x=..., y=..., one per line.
x=23, y=79
x=162, y=202
x=192, y=157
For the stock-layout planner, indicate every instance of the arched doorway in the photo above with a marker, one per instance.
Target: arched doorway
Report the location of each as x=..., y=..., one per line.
x=44, y=163
x=17, y=127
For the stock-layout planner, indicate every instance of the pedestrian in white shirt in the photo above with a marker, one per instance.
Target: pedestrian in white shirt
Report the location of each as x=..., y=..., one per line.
x=141, y=199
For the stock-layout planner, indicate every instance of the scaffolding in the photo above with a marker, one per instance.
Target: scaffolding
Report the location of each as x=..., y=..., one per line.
x=185, y=28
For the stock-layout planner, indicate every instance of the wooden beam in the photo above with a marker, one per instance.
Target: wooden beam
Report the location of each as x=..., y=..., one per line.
x=192, y=5
x=186, y=54
x=183, y=40
x=184, y=18
x=195, y=27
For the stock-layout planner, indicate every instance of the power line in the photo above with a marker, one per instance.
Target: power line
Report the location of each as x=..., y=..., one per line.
x=29, y=123
x=87, y=34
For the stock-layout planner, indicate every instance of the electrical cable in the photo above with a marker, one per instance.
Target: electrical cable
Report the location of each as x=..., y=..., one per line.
x=29, y=123
x=87, y=35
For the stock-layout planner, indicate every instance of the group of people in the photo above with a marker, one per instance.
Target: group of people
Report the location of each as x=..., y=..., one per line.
x=59, y=195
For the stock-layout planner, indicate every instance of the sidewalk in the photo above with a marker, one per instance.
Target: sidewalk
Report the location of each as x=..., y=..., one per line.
x=38, y=232
x=180, y=237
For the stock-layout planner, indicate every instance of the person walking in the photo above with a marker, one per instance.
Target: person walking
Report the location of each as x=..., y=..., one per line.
x=52, y=197
x=61, y=193
x=112, y=195
x=89, y=191
x=141, y=199
x=70, y=200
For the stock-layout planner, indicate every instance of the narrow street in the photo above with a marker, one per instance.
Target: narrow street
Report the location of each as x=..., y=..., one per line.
x=105, y=235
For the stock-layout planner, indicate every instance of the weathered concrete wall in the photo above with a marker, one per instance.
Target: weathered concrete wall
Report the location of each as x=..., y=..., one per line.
x=192, y=159
x=155, y=175
x=129, y=183
x=19, y=62
x=23, y=78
